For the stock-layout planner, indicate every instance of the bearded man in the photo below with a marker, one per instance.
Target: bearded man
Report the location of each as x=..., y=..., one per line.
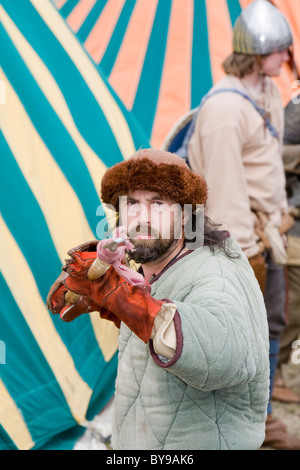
x=193, y=368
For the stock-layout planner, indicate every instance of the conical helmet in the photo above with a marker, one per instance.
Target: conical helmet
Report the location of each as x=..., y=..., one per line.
x=261, y=29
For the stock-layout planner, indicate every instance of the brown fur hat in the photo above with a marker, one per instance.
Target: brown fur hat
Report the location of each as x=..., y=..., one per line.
x=157, y=171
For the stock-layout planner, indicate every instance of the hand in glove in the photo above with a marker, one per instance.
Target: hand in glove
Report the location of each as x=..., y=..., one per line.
x=59, y=300
x=132, y=304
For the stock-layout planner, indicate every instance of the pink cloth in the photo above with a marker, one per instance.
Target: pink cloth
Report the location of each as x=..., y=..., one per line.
x=115, y=257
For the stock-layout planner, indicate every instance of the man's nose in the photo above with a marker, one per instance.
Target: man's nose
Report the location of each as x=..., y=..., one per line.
x=144, y=215
x=141, y=214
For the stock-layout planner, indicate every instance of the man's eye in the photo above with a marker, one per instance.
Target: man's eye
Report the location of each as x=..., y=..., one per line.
x=130, y=203
x=159, y=203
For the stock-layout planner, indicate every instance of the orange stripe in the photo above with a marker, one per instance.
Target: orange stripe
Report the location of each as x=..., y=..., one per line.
x=245, y=3
x=99, y=37
x=79, y=14
x=125, y=75
x=219, y=35
x=175, y=91
x=60, y=3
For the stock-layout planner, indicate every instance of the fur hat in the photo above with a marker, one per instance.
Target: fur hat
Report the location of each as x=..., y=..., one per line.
x=157, y=171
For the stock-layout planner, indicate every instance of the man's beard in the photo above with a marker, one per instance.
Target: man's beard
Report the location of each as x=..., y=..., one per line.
x=149, y=249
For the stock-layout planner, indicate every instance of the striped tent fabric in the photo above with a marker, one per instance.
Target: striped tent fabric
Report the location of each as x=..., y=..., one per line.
x=162, y=56
x=62, y=125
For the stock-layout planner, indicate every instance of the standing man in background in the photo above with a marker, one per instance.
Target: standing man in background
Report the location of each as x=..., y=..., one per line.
x=236, y=145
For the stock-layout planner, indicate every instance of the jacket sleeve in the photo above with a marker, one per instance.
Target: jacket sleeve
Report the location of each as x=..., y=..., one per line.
x=163, y=333
x=221, y=336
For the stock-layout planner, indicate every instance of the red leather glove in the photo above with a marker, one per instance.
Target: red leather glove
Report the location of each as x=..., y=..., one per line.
x=71, y=311
x=57, y=299
x=56, y=296
x=86, y=305
x=130, y=303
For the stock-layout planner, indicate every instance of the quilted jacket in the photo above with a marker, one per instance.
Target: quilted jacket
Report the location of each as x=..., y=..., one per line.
x=213, y=393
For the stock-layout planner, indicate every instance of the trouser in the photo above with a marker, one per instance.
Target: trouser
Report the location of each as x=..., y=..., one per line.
x=275, y=301
x=291, y=331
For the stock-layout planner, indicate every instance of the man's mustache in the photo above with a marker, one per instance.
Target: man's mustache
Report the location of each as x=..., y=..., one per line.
x=143, y=230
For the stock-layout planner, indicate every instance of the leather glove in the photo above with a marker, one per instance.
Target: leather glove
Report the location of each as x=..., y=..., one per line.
x=61, y=301
x=56, y=296
x=57, y=303
x=132, y=304
x=59, y=298
x=86, y=305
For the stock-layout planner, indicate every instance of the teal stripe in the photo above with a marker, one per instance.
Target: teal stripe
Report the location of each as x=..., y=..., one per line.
x=26, y=222
x=28, y=377
x=21, y=348
x=201, y=68
x=50, y=128
x=102, y=394
x=113, y=47
x=63, y=441
x=5, y=441
x=68, y=7
x=87, y=114
x=90, y=20
x=145, y=103
x=234, y=9
x=31, y=383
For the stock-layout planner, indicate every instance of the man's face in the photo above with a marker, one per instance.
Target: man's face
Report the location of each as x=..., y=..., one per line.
x=272, y=63
x=153, y=224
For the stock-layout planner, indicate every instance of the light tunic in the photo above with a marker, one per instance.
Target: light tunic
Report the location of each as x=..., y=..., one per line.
x=240, y=160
